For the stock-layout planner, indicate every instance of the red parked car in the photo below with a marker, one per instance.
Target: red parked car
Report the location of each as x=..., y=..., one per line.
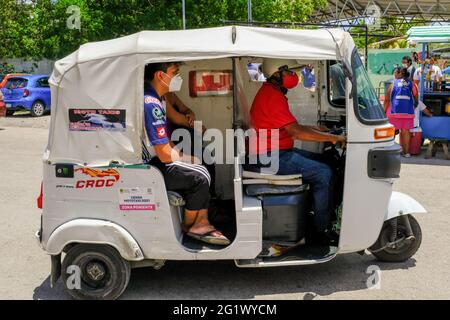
x=2, y=105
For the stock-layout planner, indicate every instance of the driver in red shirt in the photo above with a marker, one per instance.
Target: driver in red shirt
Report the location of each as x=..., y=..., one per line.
x=270, y=110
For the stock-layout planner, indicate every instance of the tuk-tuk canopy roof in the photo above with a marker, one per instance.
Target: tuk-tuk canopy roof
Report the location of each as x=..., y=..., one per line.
x=211, y=43
x=109, y=75
x=429, y=34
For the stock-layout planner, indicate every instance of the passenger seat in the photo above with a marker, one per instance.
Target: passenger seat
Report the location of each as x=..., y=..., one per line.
x=259, y=184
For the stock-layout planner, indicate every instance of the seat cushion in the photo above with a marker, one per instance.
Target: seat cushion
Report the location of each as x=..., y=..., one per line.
x=267, y=176
x=271, y=189
x=291, y=182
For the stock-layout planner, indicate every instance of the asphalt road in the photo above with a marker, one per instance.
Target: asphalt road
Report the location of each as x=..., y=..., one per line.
x=24, y=267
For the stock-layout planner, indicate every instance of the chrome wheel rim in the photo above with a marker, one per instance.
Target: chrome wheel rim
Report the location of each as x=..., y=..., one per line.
x=38, y=109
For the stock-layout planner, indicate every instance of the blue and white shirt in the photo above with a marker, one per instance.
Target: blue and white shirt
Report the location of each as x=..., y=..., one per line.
x=309, y=79
x=402, y=98
x=155, y=122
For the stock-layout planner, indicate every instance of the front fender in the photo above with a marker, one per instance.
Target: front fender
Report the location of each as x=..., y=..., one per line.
x=95, y=232
x=401, y=204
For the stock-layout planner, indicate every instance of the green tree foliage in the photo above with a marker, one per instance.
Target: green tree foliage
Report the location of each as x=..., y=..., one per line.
x=15, y=31
x=38, y=28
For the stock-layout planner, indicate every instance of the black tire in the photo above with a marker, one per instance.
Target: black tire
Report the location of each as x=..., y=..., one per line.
x=403, y=252
x=114, y=272
x=9, y=112
x=37, y=109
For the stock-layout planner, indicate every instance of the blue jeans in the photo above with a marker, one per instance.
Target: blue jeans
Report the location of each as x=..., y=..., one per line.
x=315, y=173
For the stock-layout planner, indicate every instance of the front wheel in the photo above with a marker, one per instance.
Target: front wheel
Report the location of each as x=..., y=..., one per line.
x=401, y=247
x=95, y=272
x=37, y=109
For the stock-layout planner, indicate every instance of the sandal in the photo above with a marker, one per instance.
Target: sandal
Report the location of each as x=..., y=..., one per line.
x=209, y=238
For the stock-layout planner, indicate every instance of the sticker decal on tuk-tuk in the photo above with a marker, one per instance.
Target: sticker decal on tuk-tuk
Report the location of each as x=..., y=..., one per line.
x=97, y=119
x=210, y=83
x=131, y=199
x=99, y=178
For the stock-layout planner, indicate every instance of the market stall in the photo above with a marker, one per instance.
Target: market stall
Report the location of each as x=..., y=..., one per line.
x=435, y=94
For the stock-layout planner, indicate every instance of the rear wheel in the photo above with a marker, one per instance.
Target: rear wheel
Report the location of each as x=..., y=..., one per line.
x=95, y=272
x=9, y=112
x=399, y=250
x=37, y=109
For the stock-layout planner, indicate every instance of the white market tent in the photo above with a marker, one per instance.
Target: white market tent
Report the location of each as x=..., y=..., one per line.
x=109, y=75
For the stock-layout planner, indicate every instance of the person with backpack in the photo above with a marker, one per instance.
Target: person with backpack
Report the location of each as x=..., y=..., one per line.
x=399, y=105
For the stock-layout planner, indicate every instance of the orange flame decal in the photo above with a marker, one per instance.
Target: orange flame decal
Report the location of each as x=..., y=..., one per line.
x=97, y=173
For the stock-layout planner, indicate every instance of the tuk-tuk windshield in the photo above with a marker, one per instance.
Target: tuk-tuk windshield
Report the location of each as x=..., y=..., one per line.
x=367, y=106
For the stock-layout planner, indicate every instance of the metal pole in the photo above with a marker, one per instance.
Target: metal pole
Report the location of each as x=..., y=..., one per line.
x=236, y=123
x=366, y=49
x=184, y=14
x=422, y=75
x=249, y=11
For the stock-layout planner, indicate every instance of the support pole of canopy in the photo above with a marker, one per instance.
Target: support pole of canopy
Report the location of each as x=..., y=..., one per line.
x=183, y=3
x=236, y=122
x=249, y=11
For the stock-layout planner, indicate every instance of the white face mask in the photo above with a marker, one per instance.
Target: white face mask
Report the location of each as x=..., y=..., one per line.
x=405, y=65
x=175, y=83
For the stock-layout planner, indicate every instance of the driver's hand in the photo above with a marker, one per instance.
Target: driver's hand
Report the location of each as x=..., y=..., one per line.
x=341, y=139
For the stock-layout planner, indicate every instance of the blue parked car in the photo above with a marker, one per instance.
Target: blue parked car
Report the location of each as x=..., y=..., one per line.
x=27, y=93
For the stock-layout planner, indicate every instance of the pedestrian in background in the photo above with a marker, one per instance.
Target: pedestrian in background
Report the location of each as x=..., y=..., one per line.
x=308, y=77
x=399, y=106
x=408, y=64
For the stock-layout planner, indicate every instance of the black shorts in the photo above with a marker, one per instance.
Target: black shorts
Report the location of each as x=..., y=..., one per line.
x=190, y=180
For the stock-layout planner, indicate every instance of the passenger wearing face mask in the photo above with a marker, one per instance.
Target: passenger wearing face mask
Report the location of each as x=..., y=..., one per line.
x=180, y=116
x=270, y=110
x=181, y=173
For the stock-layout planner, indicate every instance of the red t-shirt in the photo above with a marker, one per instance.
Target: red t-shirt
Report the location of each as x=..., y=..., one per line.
x=270, y=110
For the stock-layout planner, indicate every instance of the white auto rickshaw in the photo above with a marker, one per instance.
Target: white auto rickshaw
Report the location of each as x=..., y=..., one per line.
x=105, y=212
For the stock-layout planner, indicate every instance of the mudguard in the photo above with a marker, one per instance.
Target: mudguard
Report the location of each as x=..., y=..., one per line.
x=401, y=204
x=95, y=232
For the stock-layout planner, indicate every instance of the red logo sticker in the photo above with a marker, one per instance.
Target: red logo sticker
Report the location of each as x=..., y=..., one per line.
x=104, y=178
x=161, y=132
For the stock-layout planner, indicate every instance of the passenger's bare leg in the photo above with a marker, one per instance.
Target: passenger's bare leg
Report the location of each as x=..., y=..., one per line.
x=202, y=224
x=190, y=216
